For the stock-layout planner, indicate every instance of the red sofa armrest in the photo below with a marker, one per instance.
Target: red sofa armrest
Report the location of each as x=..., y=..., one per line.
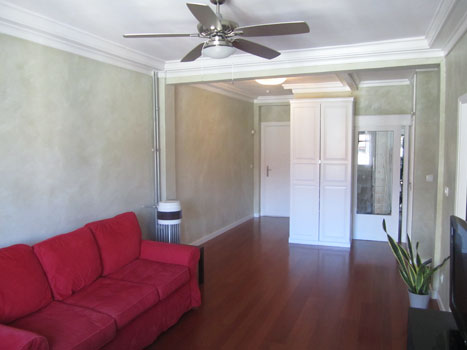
x=178, y=254
x=19, y=339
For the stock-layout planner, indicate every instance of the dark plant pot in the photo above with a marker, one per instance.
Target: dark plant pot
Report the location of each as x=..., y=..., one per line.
x=419, y=301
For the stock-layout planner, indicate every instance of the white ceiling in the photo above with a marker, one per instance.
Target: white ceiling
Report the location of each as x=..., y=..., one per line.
x=341, y=31
x=332, y=22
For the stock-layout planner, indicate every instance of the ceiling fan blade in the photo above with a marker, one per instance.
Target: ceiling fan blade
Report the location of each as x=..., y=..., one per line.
x=159, y=35
x=255, y=49
x=193, y=54
x=205, y=15
x=284, y=28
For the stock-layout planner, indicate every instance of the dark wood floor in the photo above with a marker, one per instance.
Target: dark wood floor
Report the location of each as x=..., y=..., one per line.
x=262, y=293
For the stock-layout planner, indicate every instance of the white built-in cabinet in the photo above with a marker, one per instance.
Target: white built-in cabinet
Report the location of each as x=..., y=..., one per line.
x=321, y=157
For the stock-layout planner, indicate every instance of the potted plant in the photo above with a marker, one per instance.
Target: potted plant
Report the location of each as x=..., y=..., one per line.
x=416, y=274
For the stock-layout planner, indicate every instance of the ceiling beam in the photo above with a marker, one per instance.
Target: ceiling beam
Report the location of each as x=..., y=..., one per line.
x=346, y=79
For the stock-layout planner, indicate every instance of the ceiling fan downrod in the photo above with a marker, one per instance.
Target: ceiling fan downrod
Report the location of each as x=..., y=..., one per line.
x=218, y=4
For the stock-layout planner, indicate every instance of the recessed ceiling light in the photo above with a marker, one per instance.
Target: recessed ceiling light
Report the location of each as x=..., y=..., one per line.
x=272, y=81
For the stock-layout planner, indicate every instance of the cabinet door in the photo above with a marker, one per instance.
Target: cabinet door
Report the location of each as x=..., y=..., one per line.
x=304, y=193
x=335, y=177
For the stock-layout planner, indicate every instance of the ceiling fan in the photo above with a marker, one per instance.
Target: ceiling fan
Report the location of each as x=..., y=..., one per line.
x=223, y=36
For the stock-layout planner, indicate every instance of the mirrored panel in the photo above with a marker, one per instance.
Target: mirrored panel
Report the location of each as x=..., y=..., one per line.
x=374, y=172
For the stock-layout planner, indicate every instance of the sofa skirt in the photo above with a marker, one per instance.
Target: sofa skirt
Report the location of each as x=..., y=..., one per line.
x=144, y=330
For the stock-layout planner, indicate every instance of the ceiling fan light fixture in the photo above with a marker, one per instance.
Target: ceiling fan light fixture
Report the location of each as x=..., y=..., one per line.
x=271, y=81
x=217, y=48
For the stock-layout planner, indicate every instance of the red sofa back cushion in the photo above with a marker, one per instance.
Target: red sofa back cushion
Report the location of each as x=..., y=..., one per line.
x=71, y=261
x=119, y=240
x=23, y=285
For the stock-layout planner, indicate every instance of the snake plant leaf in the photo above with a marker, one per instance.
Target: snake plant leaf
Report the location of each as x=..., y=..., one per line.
x=440, y=265
x=428, y=261
x=409, y=244
x=419, y=260
x=396, y=250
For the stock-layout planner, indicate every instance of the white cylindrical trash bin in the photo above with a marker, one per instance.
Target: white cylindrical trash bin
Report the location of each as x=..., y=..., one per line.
x=169, y=217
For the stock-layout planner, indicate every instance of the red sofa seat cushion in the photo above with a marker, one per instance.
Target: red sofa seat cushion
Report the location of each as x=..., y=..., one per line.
x=69, y=327
x=71, y=261
x=166, y=278
x=23, y=285
x=121, y=300
x=119, y=240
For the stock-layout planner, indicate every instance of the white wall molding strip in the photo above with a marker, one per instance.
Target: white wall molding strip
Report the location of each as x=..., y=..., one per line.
x=233, y=93
x=31, y=26
x=335, y=86
x=272, y=100
x=222, y=230
x=391, y=82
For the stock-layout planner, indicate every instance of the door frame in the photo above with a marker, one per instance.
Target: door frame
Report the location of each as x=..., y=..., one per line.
x=379, y=122
x=461, y=172
x=263, y=163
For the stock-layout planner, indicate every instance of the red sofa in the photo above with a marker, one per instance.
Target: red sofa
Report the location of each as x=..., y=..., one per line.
x=99, y=287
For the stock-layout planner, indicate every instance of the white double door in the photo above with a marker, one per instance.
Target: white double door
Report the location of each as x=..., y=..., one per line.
x=321, y=154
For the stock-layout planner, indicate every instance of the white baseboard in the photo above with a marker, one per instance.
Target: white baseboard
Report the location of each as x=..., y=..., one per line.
x=224, y=229
x=300, y=240
x=256, y=215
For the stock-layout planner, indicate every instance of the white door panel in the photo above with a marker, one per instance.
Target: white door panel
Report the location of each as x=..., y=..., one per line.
x=305, y=134
x=335, y=132
x=334, y=211
x=305, y=221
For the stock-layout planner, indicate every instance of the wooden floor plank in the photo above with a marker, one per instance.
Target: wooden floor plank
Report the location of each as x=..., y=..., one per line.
x=260, y=292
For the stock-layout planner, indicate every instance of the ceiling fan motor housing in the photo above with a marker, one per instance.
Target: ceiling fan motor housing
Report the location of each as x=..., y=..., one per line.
x=228, y=28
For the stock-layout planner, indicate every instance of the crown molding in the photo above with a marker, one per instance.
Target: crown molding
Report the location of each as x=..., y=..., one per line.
x=272, y=100
x=441, y=15
x=448, y=25
x=232, y=93
x=25, y=24
x=411, y=48
x=392, y=82
x=334, y=86
x=456, y=34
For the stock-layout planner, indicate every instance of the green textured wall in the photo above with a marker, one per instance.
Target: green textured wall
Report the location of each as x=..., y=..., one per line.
x=383, y=100
x=456, y=86
x=214, y=160
x=426, y=161
x=274, y=113
x=75, y=142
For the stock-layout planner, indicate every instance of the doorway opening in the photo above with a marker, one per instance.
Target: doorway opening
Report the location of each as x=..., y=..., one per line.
x=381, y=176
x=275, y=169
